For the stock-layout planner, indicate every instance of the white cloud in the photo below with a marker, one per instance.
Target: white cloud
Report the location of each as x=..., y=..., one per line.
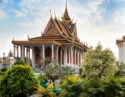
x=89, y=17
x=92, y=26
x=19, y=13
x=26, y=24
x=3, y=14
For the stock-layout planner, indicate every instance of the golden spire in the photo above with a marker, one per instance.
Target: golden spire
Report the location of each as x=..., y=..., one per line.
x=66, y=15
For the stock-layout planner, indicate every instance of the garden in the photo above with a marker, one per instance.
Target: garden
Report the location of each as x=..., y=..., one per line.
x=99, y=76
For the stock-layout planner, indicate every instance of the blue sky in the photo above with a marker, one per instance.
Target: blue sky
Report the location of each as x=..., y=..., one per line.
x=97, y=20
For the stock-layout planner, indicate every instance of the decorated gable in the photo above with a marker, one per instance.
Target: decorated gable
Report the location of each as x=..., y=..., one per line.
x=52, y=29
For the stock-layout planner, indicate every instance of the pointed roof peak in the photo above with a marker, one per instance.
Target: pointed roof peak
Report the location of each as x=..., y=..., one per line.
x=66, y=6
x=10, y=54
x=50, y=13
x=66, y=15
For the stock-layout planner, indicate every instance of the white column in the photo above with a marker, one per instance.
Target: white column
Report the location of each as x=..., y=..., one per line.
x=75, y=56
x=14, y=50
x=57, y=54
x=52, y=50
x=71, y=55
x=17, y=51
x=78, y=57
x=43, y=52
x=61, y=56
x=81, y=57
x=28, y=55
x=22, y=52
x=33, y=61
x=65, y=56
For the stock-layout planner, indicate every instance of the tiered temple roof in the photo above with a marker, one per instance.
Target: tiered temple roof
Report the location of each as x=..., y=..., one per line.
x=58, y=32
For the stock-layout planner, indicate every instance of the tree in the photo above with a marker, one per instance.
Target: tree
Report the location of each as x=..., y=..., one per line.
x=98, y=62
x=54, y=71
x=2, y=71
x=113, y=87
x=19, y=62
x=18, y=81
x=121, y=70
x=98, y=78
x=93, y=87
x=71, y=86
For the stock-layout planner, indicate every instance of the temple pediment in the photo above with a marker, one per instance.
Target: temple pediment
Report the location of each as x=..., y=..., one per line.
x=51, y=29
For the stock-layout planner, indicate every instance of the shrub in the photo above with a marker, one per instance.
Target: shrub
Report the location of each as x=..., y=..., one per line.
x=18, y=81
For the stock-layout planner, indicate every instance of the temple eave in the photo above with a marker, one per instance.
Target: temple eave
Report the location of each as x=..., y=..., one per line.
x=36, y=42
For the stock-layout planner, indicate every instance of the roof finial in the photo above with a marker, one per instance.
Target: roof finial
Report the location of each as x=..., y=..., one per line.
x=66, y=15
x=10, y=54
x=54, y=14
x=66, y=5
x=66, y=10
x=50, y=13
x=28, y=36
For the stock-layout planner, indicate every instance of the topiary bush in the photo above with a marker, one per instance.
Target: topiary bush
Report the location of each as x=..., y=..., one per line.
x=18, y=81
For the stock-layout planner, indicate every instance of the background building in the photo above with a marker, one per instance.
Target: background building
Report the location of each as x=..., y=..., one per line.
x=7, y=61
x=121, y=47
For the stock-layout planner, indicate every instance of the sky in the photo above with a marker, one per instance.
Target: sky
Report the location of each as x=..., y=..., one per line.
x=98, y=21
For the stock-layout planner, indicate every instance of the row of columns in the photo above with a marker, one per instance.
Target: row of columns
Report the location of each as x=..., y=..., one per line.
x=52, y=52
x=74, y=55
x=71, y=56
x=24, y=52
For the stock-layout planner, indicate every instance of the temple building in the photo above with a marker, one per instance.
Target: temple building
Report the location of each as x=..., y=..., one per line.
x=121, y=46
x=59, y=43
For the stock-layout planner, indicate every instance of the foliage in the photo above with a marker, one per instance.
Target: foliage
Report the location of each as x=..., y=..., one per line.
x=2, y=71
x=43, y=80
x=94, y=87
x=54, y=71
x=113, y=87
x=69, y=86
x=19, y=62
x=107, y=87
x=67, y=70
x=100, y=76
x=45, y=92
x=70, y=79
x=98, y=62
x=18, y=81
x=121, y=70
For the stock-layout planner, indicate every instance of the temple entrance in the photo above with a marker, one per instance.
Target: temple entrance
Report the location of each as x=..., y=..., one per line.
x=61, y=56
x=48, y=53
x=37, y=55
